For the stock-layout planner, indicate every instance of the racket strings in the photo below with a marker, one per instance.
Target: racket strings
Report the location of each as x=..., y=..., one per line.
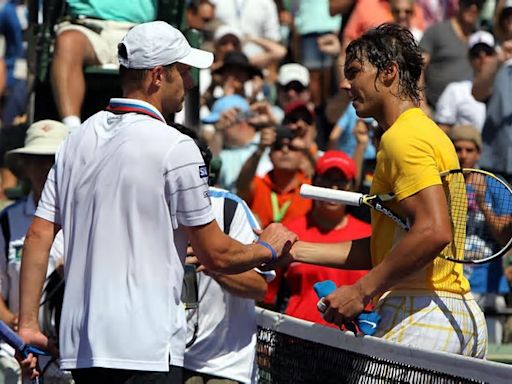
x=481, y=209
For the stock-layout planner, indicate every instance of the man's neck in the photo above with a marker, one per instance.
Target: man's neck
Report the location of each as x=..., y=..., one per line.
x=392, y=109
x=150, y=99
x=284, y=180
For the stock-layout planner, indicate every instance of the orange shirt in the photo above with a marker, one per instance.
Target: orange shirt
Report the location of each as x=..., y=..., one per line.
x=289, y=203
x=369, y=14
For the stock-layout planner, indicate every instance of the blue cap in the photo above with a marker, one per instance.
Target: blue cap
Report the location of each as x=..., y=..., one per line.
x=223, y=104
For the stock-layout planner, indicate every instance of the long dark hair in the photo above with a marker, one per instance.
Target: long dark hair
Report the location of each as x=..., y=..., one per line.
x=386, y=44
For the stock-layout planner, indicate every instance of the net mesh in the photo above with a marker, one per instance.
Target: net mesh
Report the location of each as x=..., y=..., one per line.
x=294, y=351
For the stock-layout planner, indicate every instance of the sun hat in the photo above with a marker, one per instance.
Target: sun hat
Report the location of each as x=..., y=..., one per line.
x=223, y=104
x=338, y=160
x=466, y=132
x=149, y=45
x=42, y=138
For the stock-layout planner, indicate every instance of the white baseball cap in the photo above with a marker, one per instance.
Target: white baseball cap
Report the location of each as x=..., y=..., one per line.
x=149, y=45
x=481, y=37
x=293, y=72
x=225, y=30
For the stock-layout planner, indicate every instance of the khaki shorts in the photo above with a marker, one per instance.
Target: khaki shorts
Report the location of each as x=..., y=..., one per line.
x=437, y=322
x=104, y=43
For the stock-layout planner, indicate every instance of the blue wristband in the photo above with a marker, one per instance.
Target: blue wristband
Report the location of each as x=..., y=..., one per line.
x=271, y=248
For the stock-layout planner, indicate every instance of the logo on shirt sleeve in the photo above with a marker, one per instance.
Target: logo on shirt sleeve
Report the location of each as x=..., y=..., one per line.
x=203, y=171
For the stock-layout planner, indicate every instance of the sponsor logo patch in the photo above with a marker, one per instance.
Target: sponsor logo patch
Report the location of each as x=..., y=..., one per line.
x=203, y=171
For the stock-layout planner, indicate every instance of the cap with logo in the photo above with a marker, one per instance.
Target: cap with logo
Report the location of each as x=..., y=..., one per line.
x=223, y=104
x=293, y=72
x=149, y=45
x=337, y=160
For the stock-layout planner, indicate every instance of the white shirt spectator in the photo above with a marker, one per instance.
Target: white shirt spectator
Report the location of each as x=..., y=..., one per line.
x=457, y=106
x=226, y=336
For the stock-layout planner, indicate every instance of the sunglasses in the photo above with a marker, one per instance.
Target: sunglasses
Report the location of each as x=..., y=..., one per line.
x=294, y=86
x=408, y=12
x=279, y=145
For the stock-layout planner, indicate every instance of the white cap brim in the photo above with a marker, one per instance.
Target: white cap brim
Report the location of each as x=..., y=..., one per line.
x=197, y=58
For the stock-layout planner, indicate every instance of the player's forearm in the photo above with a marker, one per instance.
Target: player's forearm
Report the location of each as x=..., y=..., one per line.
x=32, y=275
x=354, y=255
x=417, y=249
x=237, y=258
x=248, y=285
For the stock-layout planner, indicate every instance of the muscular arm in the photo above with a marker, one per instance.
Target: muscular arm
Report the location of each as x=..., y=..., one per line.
x=34, y=264
x=249, y=285
x=346, y=255
x=430, y=232
x=247, y=173
x=219, y=253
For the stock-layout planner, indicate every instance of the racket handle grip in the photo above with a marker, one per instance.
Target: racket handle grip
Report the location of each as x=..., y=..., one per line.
x=11, y=337
x=322, y=289
x=331, y=195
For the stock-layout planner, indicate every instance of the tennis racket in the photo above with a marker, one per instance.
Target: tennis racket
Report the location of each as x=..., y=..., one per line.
x=12, y=338
x=480, y=207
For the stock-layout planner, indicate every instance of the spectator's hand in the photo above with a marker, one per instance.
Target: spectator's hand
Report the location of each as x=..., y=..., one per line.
x=344, y=304
x=262, y=115
x=257, y=84
x=329, y=44
x=12, y=322
x=267, y=137
x=477, y=181
x=227, y=119
x=279, y=237
x=361, y=133
x=36, y=338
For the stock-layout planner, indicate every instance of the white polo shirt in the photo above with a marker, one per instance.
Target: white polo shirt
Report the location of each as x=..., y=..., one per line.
x=226, y=324
x=122, y=187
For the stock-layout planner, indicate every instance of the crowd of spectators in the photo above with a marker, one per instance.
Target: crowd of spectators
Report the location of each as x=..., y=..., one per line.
x=271, y=112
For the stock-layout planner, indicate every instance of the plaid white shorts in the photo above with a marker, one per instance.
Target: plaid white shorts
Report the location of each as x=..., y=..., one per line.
x=439, y=321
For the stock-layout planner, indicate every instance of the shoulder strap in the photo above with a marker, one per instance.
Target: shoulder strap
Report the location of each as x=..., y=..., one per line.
x=229, y=212
x=6, y=232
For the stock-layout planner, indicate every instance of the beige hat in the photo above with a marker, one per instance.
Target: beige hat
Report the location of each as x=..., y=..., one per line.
x=466, y=132
x=42, y=138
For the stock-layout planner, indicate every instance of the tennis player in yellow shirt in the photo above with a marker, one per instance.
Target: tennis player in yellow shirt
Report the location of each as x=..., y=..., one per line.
x=424, y=301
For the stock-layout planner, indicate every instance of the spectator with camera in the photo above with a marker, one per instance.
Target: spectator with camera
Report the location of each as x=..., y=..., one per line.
x=275, y=197
x=236, y=135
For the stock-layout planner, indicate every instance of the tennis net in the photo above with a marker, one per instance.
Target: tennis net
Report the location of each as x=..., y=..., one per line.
x=291, y=350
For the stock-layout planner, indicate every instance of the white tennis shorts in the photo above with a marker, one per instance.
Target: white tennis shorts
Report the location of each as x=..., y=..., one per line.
x=439, y=321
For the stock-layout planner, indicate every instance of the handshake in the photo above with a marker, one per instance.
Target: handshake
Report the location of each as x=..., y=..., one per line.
x=279, y=241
